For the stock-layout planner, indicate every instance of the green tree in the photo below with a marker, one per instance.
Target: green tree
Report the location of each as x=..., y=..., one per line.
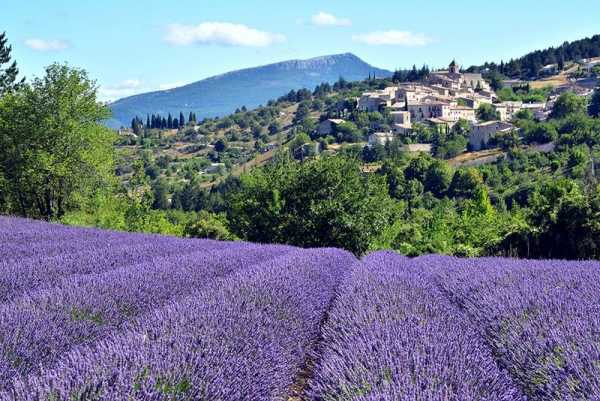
x=417, y=168
x=461, y=128
x=220, y=145
x=568, y=103
x=140, y=197
x=507, y=94
x=487, y=112
x=566, y=221
x=302, y=112
x=438, y=178
x=54, y=151
x=578, y=161
x=452, y=148
x=412, y=193
x=524, y=114
x=322, y=202
x=481, y=204
x=465, y=183
x=373, y=153
x=9, y=73
x=160, y=194
x=300, y=139
x=348, y=132
x=594, y=107
x=507, y=140
x=209, y=225
x=274, y=128
x=496, y=81
x=189, y=197
x=541, y=133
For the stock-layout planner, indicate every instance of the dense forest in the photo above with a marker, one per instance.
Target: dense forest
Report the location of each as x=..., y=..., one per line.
x=58, y=162
x=529, y=66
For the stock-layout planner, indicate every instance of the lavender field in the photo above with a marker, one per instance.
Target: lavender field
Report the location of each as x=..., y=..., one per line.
x=96, y=315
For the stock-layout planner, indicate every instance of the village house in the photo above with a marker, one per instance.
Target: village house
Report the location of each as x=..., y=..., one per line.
x=482, y=133
x=474, y=100
x=508, y=109
x=410, y=94
x=440, y=124
x=372, y=102
x=328, y=126
x=455, y=113
x=401, y=117
x=589, y=65
x=540, y=110
x=377, y=100
x=428, y=108
x=402, y=124
x=454, y=79
x=548, y=70
x=447, y=111
x=380, y=138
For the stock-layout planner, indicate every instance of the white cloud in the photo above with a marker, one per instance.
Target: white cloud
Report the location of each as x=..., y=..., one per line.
x=130, y=87
x=125, y=88
x=395, y=38
x=129, y=84
x=45, y=45
x=171, y=85
x=220, y=33
x=324, y=19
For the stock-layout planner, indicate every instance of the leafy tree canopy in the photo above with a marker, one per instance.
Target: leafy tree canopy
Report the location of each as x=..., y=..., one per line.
x=54, y=148
x=319, y=203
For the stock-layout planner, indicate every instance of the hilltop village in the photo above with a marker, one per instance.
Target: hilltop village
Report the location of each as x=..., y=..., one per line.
x=442, y=100
x=459, y=115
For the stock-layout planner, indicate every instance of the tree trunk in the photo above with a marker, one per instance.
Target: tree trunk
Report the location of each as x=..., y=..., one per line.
x=22, y=204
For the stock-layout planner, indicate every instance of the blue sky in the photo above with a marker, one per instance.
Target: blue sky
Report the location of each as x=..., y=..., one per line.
x=136, y=46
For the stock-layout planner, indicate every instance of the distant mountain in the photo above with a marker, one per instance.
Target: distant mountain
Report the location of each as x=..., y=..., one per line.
x=222, y=94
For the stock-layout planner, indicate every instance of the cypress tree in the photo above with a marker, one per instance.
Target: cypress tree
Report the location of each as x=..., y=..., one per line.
x=181, y=119
x=594, y=107
x=169, y=121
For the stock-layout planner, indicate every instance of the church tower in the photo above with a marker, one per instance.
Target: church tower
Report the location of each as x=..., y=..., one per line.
x=454, y=68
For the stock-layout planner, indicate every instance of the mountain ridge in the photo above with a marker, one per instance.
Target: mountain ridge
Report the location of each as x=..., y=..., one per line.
x=222, y=94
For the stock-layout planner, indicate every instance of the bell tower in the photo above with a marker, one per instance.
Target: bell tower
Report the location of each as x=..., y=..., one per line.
x=454, y=68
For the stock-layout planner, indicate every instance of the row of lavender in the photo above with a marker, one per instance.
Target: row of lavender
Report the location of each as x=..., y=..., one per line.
x=244, y=336
x=441, y=328
x=114, y=316
x=36, y=255
x=118, y=317
x=31, y=240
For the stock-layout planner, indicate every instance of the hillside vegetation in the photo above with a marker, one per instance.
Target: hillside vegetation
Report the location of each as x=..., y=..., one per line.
x=530, y=65
x=268, y=175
